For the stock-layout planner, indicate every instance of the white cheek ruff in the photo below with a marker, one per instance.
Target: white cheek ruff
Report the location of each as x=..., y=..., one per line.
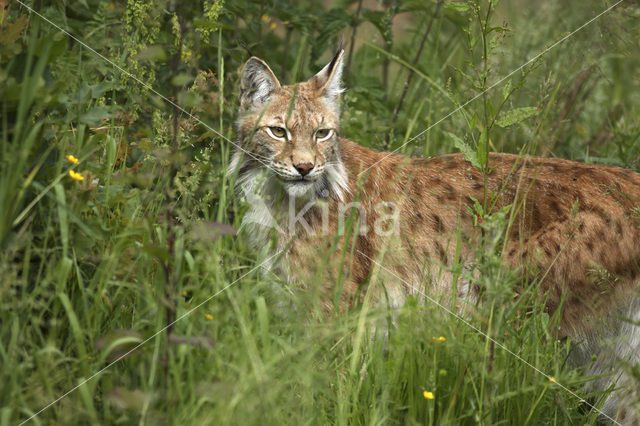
x=270, y=133
x=326, y=137
x=337, y=179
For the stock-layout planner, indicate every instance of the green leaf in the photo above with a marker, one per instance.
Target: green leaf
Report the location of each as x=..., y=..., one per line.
x=146, y=145
x=469, y=154
x=415, y=5
x=181, y=79
x=160, y=253
x=74, y=324
x=331, y=24
x=62, y=216
x=498, y=29
x=118, y=344
x=126, y=399
x=95, y=115
x=467, y=77
x=381, y=20
x=492, y=110
x=474, y=121
x=205, y=24
x=506, y=89
x=481, y=151
x=187, y=98
x=516, y=115
x=477, y=206
x=98, y=90
x=152, y=54
x=458, y=6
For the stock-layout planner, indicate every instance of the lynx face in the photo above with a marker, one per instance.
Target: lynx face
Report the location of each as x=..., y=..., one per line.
x=291, y=131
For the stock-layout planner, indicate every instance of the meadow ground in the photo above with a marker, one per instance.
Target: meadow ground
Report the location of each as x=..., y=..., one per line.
x=117, y=218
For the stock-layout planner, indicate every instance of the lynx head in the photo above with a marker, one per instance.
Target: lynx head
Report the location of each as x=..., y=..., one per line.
x=291, y=132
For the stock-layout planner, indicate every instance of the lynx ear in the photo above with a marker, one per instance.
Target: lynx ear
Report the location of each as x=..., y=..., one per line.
x=257, y=83
x=329, y=79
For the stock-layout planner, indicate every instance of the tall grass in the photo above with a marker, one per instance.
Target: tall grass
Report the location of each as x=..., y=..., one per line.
x=92, y=268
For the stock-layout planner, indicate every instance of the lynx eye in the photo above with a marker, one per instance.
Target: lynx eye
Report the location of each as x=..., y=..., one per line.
x=278, y=133
x=323, y=134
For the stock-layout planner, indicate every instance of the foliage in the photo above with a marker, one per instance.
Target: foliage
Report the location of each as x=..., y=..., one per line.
x=95, y=265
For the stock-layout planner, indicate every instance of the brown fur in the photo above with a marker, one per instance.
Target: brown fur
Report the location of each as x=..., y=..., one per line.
x=573, y=227
x=572, y=217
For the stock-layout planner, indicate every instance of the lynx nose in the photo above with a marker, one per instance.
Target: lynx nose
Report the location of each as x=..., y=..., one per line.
x=304, y=168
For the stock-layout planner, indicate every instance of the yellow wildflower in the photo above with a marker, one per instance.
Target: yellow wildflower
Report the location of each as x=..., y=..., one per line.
x=428, y=395
x=75, y=175
x=439, y=339
x=209, y=317
x=72, y=159
x=273, y=26
x=266, y=18
x=552, y=379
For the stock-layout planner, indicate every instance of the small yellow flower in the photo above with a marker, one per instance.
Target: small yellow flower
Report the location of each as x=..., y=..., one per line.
x=428, y=395
x=72, y=159
x=209, y=317
x=552, y=379
x=273, y=26
x=89, y=357
x=75, y=175
x=439, y=339
x=266, y=18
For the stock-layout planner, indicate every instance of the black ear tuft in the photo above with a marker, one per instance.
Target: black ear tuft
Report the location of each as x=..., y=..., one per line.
x=257, y=83
x=329, y=79
x=244, y=46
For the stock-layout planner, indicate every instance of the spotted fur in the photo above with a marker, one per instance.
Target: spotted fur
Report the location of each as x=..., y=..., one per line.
x=575, y=228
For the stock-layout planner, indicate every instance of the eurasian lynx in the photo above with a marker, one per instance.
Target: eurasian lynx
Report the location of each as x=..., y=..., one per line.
x=570, y=221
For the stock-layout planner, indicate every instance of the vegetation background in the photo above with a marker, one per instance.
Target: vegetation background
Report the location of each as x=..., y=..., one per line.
x=94, y=265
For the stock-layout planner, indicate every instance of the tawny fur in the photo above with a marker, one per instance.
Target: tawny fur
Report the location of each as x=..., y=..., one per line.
x=575, y=226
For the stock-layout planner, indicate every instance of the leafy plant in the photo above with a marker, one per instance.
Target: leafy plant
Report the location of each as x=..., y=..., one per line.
x=117, y=218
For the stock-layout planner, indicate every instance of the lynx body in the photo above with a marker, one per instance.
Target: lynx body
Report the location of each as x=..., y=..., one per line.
x=574, y=228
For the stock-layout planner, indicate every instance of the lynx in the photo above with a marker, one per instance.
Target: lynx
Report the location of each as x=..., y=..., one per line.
x=572, y=223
